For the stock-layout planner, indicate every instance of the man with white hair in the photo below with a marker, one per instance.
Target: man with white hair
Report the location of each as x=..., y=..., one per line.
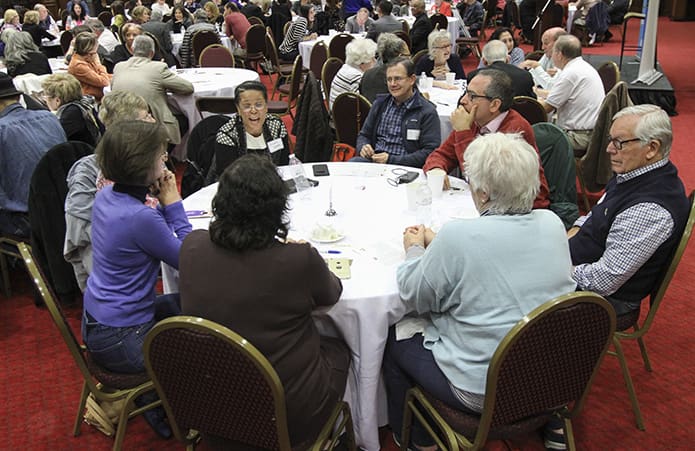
x=495, y=56
x=359, y=57
x=46, y=22
x=622, y=247
x=543, y=70
x=576, y=95
x=152, y=80
x=105, y=37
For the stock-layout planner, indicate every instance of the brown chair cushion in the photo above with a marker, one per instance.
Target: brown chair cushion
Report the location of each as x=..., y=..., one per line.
x=120, y=381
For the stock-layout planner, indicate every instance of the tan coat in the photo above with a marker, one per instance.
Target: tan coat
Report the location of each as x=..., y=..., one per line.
x=92, y=75
x=152, y=80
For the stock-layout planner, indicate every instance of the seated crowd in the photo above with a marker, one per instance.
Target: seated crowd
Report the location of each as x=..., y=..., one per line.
x=472, y=281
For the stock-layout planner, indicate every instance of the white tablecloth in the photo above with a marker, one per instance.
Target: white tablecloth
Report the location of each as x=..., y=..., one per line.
x=305, y=47
x=209, y=81
x=177, y=40
x=372, y=215
x=446, y=101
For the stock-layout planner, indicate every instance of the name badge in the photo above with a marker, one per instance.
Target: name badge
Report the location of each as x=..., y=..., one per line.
x=275, y=145
x=413, y=134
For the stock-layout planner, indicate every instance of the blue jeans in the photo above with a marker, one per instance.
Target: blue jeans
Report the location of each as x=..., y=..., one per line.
x=119, y=349
x=407, y=363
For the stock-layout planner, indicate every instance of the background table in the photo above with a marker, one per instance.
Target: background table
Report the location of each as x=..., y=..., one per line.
x=305, y=47
x=372, y=215
x=446, y=101
x=209, y=81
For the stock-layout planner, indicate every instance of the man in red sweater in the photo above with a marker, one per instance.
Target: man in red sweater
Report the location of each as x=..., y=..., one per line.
x=485, y=108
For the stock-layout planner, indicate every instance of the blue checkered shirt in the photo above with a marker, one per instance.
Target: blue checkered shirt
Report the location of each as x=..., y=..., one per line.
x=389, y=132
x=634, y=236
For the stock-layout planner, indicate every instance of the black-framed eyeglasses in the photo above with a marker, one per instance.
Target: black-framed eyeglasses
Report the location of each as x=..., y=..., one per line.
x=471, y=95
x=618, y=144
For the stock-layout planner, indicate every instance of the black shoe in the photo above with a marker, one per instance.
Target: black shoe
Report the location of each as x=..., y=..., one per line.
x=157, y=419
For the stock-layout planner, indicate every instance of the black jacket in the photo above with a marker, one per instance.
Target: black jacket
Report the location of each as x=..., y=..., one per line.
x=312, y=125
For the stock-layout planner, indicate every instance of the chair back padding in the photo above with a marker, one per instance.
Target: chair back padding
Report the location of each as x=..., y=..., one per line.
x=405, y=37
x=216, y=55
x=319, y=55
x=610, y=75
x=439, y=22
x=328, y=73
x=214, y=381
x=215, y=105
x=349, y=111
x=530, y=109
x=47, y=192
x=202, y=39
x=255, y=43
x=545, y=364
x=557, y=158
x=65, y=40
x=336, y=48
x=105, y=18
x=200, y=150
x=596, y=162
x=418, y=56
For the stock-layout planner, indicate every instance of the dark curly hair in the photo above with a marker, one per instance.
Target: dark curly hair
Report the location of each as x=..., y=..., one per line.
x=250, y=205
x=498, y=32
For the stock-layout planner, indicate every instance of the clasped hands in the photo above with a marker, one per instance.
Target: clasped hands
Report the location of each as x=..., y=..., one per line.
x=368, y=152
x=417, y=235
x=165, y=189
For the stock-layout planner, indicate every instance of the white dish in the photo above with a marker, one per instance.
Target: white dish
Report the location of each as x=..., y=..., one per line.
x=329, y=240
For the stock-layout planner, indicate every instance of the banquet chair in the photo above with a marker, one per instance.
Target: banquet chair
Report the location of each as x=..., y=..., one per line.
x=405, y=37
x=201, y=39
x=215, y=105
x=65, y=40
x=282, y=107
x=492, y=14
x=349, y=112
x=631, y=320
x=543, y=368
x=637, y=47
x=439, y=21
x=216, y=55
x=200, y=149
x=255, y=46
x=253, y=20
x=473, y=42
x=105, y=18
x=283, y=70
x=610, y=75
x=319, y=55
x=99, y=382
x=418, y=56
x=530, y=109
x=328, y=73
x=8, y=248
x=406, y=26
x=336, y=48
x=213, y=381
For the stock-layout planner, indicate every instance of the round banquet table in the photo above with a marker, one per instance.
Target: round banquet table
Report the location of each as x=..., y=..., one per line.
x=207, y=81
x=371, y=214
x=305, y=47
x=446, y=101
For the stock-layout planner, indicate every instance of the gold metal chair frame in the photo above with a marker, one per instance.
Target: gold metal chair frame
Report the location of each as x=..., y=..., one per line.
x=417, y=403
x=78, y=352
x=327, y=438
x=639, y=331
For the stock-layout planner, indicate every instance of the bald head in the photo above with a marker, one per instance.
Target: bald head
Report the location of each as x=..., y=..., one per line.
x=549, y=37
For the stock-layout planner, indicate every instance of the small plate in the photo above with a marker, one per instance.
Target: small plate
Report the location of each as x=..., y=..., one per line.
x=333, y=240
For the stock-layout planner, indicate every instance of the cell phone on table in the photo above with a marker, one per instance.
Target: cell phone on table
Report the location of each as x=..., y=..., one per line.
x=320, y=170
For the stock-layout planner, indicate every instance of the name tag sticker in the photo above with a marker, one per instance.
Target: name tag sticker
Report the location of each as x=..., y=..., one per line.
x=275, y=145
x=413, y=134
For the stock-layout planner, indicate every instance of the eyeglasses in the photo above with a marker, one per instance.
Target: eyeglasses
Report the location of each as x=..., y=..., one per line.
x=396, y=79
x=471, y=95
x=618, y=144
x=258, y=106
x=442, y=47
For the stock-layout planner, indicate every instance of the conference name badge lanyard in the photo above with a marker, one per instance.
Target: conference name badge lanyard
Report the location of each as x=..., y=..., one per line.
x=275, y=145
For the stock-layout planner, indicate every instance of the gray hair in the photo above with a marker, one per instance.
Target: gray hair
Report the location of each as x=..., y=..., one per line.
x=505, y=167
x=360, y=51
x=436, y=35
x=18, y=47
x=117, y=106
x=200, y=15
x=500, y=87
x=4, y=36
x=389, y=46
x=39, y=7
x=156, y=16
x=143, y=45
x=95, y=25
x=653, y=123
x=569, y=46
x=494, y=51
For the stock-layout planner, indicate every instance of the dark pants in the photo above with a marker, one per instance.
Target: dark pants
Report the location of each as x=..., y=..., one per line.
x=14, y=223
x=406, y=364
x=119, y=349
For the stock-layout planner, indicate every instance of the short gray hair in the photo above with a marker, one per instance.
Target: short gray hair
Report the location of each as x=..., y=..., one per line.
x=360, y=51
x=117, y=106
x=95, y=25
x=389, y=46
x=156, y=16
x=39, y=7
x=494, y=51
x=18, y=47
x=505, y=167
x=653, y=123
x=432, y=38
x=200, y=15
x=143, y=45
x=569, y=46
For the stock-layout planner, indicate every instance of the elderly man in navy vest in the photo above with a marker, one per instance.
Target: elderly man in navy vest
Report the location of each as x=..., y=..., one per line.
x=621, y=248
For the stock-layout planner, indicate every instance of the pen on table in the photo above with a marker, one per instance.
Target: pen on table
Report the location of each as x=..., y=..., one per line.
x=333, y=252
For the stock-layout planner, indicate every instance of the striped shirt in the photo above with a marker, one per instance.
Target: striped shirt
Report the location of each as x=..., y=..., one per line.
x=346, y=80
x=296, y=33
x=389, y=133
x=636, y=233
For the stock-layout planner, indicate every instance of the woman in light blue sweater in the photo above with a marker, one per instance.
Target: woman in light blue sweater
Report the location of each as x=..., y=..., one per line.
x=475, y=280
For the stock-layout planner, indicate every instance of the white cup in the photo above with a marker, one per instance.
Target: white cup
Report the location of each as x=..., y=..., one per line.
x=435, y=180
x=411, y=194
x=430, y=83
x=450, y=77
